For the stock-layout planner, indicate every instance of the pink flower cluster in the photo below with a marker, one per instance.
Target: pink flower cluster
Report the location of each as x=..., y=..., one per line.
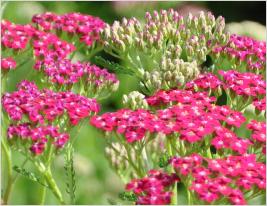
x=153, y=189
x=46, y=105
x=45, y=45
x=258, y=133
x=15, y=36
x=214, y=179
x=245, y=84
x=260, y=104
x=194, y=117
x=8, y=63
x=65, y=72
x=179, y=96
x=133, y=124
x=37, y=137
x=85, y=26
x=204, y=81
x=226, y=139
x=246, y=49
x=48, y=46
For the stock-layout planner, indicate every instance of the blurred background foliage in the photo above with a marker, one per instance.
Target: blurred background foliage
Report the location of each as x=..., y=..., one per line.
x=96, y=182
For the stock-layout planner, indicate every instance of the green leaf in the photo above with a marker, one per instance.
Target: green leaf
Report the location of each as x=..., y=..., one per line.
x=164, y=160
x=111, y=201
x=30, y=175
x=128, y=196
x=70, y=173
x=112, y=66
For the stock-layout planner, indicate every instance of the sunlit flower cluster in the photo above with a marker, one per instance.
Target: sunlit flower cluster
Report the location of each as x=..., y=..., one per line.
x=245, y=51
x=216, y=179
x=152, y=190
x=36, y=137
x=46, y=106
x=85, y=26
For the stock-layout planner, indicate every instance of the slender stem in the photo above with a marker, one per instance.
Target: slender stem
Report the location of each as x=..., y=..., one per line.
x=189, y=197
x=42, y=195
x=9, y=172
x=174, y=200
x=53, y=186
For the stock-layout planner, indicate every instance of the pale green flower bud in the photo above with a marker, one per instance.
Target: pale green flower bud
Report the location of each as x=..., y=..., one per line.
x=135, y=100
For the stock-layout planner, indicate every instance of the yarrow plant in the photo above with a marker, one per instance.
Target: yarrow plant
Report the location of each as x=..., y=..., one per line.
x=196, y=128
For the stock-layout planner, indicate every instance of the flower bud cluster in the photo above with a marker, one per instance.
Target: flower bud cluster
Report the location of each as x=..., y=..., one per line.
x=92, y=79
x=153, y=189
x=196, y=35
x=170, y=74
x=214, y=179
x=87, y=27
x=36, y=137
x=41, y=106
x=134, y=100
x=243, y=49
x=117, y=156
x=176, y=45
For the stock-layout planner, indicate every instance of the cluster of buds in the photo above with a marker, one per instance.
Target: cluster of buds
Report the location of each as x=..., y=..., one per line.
x=86, y=27
x=165, y=36
x=46, y=106
x=134, y=100
x=153, y=189
x=243, y=53
x=214, y=180
x=170, y=74
x=93, y=81
x=38, y=138
x=117, y=155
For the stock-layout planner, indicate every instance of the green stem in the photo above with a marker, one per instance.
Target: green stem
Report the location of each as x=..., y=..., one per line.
x=189, y=197
x=53, y=186
x=9, y=172
x=174, y=200
x=42, y=195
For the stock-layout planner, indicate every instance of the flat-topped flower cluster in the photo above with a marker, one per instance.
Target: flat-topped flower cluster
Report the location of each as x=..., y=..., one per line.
x=198, y=123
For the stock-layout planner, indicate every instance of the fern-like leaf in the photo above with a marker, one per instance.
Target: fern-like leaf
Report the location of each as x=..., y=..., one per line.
x=112, y=66
x=29, y=175
x=70, y=174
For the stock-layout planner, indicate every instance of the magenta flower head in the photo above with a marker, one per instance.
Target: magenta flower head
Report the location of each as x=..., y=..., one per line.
x=93, y=81
x=26, y=137
x=230, y=177
x=15, y=36
x=45, y=106
x=86, y=27
x=243, y=52
x=153, y=189
x=8, y=63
